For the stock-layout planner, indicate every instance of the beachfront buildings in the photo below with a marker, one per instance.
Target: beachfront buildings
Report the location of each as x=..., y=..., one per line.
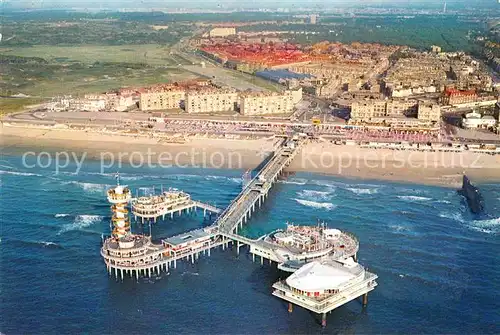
x=407, y=111
x=163, y=98
x=428, y=112
x=168, y=96
x=91, y=103
x=260, y=103
x=210, y=101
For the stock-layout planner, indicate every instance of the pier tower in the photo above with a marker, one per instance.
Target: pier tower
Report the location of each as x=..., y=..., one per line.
x=119, y=196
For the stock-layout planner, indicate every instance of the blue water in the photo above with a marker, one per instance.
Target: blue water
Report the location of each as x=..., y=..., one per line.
x=438, y=267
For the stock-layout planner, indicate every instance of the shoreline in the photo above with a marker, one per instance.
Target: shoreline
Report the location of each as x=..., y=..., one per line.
x=353, y=162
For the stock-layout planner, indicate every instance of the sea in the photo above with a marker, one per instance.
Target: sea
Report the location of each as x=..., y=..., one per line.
x=438, y=265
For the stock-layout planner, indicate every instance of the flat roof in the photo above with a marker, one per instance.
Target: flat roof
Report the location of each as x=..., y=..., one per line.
x=187, y=237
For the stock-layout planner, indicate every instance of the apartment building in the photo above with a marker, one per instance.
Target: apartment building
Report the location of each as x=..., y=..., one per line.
x=406, y=108
x=429, y=112
x=266, y=103
x=211, y=101
x=368, y=110
x=161, y=99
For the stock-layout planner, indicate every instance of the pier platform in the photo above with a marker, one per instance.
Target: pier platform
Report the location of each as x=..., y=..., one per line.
x=155, y=206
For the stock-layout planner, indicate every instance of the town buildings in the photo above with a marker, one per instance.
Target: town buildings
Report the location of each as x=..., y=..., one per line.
x=404, y=111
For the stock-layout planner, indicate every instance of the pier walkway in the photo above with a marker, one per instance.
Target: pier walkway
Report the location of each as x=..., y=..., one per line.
x=257, y=190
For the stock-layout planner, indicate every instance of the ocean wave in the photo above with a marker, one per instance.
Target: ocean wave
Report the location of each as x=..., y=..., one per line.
x=328, y=183
x=413, y=198
x=363, y=190
x=16, y=173
x=131, y=178
x=398, y=228
x=81, y=221
x=293, y=181
x=7, y=166
x=90, y=187
x=315, y=195
x=61, y=215
x=43, y=244
x=49, y=244
x=319, y=205
x=490, y=226
x=456, y=216
x=443, y=202
x=234, y=179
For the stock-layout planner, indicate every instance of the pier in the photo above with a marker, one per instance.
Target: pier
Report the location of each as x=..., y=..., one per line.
x=127, y=254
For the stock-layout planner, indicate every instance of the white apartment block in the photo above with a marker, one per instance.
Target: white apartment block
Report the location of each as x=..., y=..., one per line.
x=370, y=109
x=161, y=100
x=429, y=112
x=267, y=103
x=209, y=102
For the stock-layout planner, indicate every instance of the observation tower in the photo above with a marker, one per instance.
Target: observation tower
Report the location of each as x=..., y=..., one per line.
x=119, y=197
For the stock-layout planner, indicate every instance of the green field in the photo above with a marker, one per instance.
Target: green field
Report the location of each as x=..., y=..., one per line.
x=11, y=105
x=151, y=54
x=43, y=72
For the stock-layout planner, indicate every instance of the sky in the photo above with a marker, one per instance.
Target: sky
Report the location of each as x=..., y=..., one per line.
x=231, y=3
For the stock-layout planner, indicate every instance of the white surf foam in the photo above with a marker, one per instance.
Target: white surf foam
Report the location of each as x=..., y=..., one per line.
x=61, y=215
x=234, y=180
x=294, y=181
x=413, y=198
x=81, y=221
x=131, y=178
x=319, y=205
x=490, y=226
x=47, y=244
x=16, y=173
x=90, y=187
x=456, y=216
x=362, y=190
x=315, y=195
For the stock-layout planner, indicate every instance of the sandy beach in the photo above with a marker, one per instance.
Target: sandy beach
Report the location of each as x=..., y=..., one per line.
x=433, y=168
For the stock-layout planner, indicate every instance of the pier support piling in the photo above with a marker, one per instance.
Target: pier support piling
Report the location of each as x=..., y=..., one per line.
x=323, y=320
x=290, y=307
x=365, y=299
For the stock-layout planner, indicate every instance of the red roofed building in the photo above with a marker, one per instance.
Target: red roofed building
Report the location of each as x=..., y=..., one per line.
x=452, y=96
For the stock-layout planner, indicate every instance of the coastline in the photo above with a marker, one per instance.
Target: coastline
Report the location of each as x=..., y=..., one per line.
x=429, y=168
